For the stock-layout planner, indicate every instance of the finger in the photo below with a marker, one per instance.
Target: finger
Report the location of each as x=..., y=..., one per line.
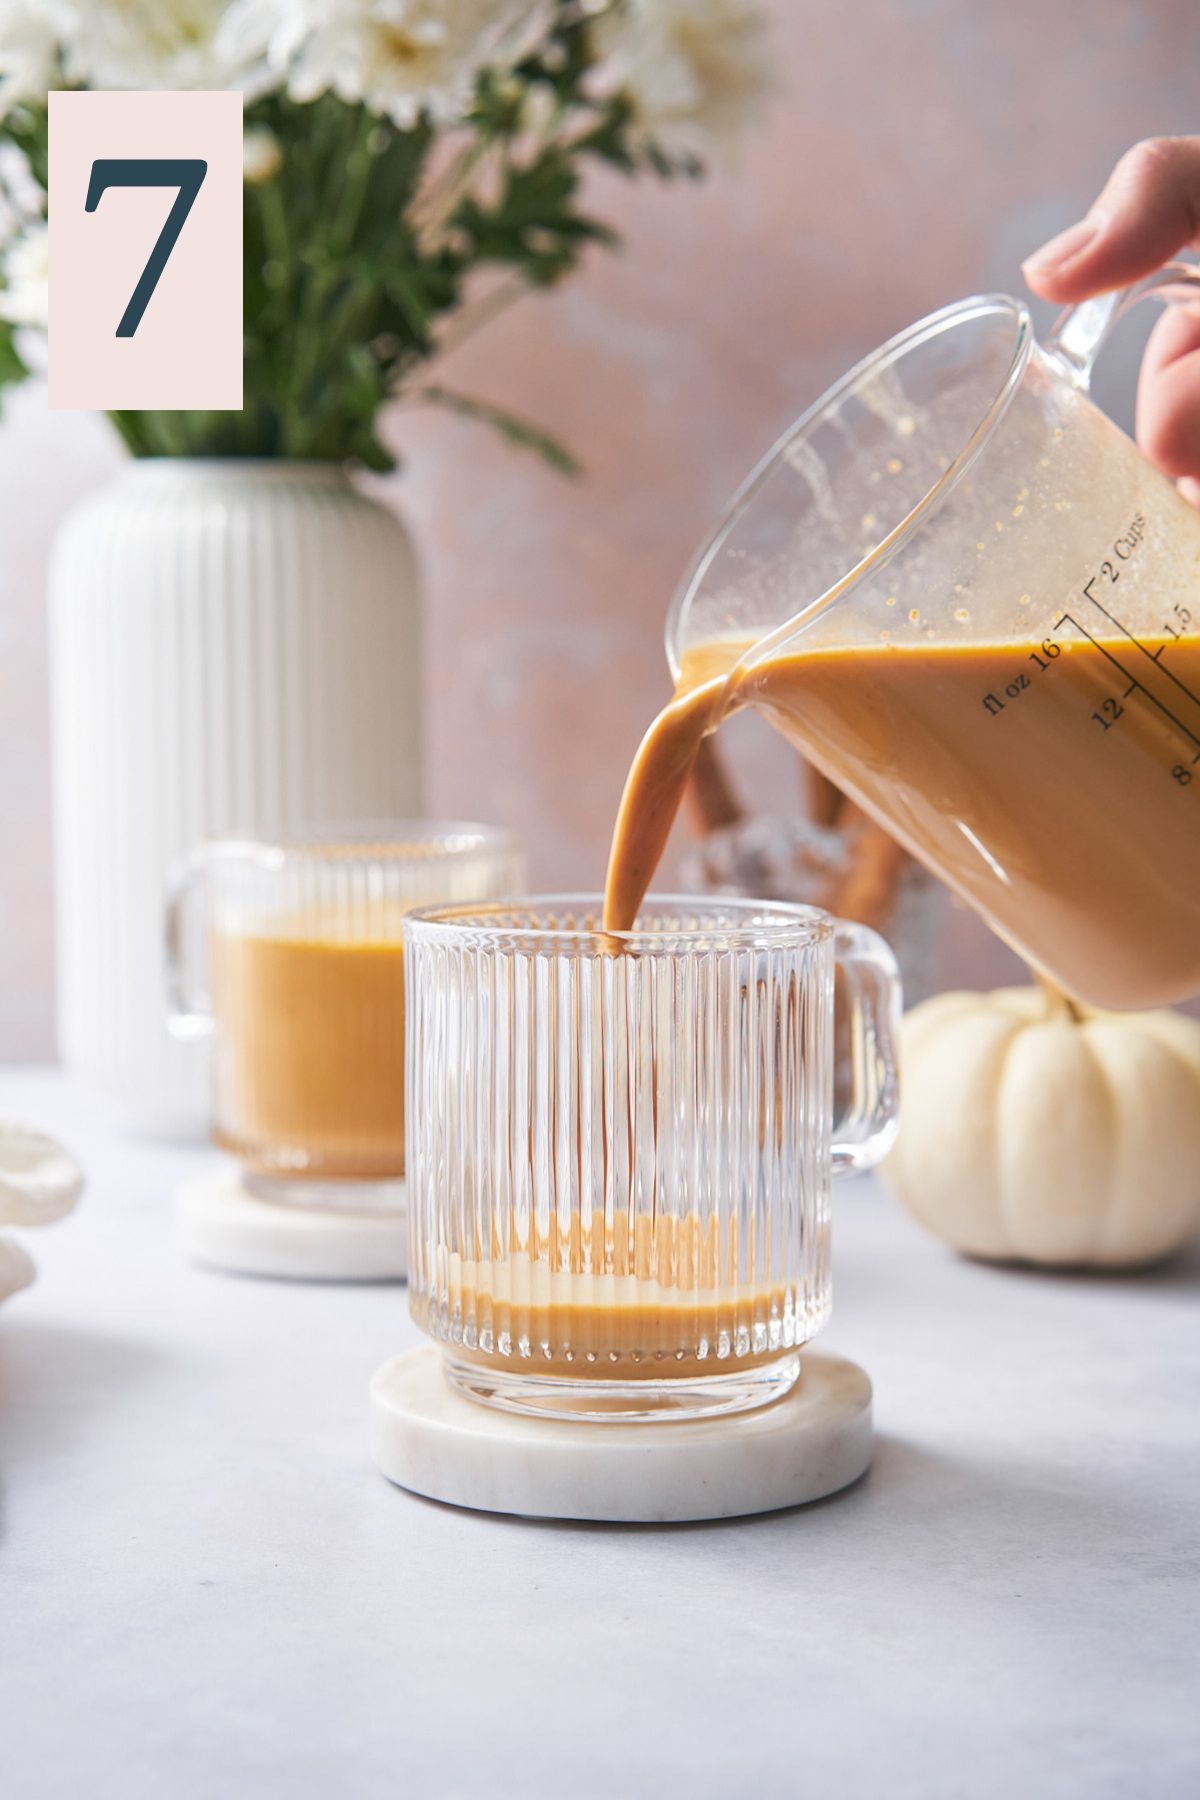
x=1149, y=209
x=1168, y=408
x=1189, y=487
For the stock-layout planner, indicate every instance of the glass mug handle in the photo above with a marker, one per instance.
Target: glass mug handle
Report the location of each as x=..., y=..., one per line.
x=1080, y=333
x=189, y=1009
x=863, y=1133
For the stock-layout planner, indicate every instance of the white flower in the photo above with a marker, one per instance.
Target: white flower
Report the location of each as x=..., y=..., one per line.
x=696, y=71
x=539, y=109
x=399, y=57
x=165, y=44
x=21, y=196
x=25, y=270
x=262, y=157
x=31, y=32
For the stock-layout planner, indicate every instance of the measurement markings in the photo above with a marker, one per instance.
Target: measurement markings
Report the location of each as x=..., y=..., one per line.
x=1070, y=619
x=1155, y=655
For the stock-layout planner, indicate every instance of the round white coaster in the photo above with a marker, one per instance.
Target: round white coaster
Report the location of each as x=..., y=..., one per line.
x=221, y=1224
x=427, y=1437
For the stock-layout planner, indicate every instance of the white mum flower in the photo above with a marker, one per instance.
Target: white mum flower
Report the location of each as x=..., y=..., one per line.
x=697, y=71
x=31, y=34
x=399, y=57
x=165, y=44
x=262, y=157
x=25, y=270
x=21, y=196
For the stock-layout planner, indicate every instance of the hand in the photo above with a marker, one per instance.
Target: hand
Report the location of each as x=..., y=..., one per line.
x=1149, y=210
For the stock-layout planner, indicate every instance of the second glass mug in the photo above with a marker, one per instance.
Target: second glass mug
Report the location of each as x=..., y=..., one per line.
x=967, y=598
x=285, y=950
x=620, y=1145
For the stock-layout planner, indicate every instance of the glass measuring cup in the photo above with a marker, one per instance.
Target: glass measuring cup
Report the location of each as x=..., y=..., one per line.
x=963, y=593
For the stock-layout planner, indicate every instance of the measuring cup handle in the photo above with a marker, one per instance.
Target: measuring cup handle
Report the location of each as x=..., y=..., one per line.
x=863, y=1133
x=1080, y=333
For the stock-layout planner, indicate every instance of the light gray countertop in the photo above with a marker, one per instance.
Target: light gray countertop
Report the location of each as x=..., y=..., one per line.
x=206, y=1590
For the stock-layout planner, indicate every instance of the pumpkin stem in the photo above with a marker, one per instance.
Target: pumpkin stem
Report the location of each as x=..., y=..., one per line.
x=1058, y=1002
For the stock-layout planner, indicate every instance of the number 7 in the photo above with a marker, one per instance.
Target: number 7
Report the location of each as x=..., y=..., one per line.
x=185, y=173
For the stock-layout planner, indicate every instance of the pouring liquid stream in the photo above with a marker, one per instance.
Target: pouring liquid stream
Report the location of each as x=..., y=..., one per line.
x=1054, y=784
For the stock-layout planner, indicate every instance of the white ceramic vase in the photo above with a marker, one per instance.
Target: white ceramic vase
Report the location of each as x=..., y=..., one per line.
x=232, y=643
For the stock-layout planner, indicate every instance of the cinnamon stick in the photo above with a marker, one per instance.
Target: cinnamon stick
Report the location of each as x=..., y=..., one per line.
x=825, y=799
x=869, y=888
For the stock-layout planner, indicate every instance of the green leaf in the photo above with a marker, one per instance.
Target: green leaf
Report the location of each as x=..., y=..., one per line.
x=12, y=364
x=517, y=431
x=344, y=297
x=534, y=225
x=28, y=127
x=609, y=138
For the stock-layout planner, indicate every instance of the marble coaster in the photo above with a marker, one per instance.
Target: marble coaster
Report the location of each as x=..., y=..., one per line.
x=224, y=1226
x=427, y=1437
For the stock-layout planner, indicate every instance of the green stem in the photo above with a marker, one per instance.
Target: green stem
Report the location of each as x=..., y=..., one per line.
x=472, y=318
x=1059, y=1004
x=358, y=181
x=313, y=334
x=433, y=210
x=279, y=251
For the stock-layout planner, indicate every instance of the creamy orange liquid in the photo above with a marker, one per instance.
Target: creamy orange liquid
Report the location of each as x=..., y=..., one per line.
x=1062, y=804
x=668, y=1304
x=310, y=1052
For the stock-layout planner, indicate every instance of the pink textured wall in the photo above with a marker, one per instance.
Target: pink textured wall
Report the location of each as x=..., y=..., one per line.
x=917, y=150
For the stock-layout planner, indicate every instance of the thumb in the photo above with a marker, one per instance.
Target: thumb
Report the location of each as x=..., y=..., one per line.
x=1149, y=209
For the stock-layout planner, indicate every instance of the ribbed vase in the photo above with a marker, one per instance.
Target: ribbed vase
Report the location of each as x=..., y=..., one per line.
x=232, y=644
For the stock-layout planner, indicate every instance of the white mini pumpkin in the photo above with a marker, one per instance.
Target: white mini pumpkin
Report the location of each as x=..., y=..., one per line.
x=1039, y=1131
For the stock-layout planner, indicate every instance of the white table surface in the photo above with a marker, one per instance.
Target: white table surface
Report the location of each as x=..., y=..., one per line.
x=206, y=1590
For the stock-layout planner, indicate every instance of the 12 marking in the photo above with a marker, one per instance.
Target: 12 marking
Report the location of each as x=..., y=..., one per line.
x=1112, y=708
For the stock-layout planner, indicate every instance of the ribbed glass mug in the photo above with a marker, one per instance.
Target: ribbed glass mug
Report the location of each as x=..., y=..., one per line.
x=620, y=1145
x=286, y=949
